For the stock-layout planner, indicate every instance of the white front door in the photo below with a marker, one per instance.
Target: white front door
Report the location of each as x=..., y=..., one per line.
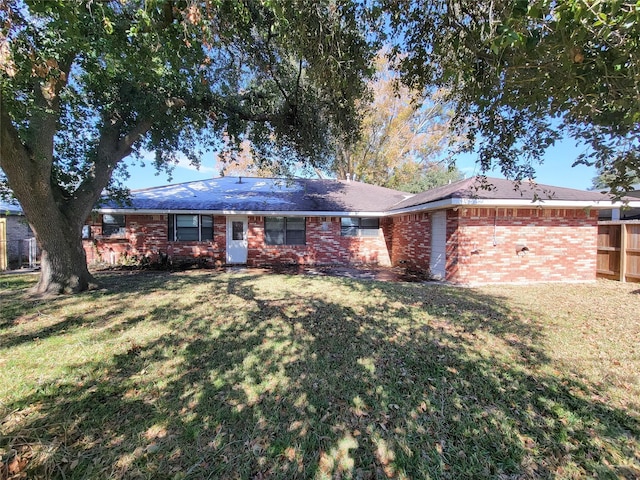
x=237, y=244
x=438, y=262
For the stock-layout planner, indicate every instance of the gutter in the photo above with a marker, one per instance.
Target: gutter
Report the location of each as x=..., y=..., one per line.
x=262, y=213
x=477, y=202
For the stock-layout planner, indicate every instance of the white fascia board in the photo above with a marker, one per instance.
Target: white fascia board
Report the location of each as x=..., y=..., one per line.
x=266, y=213
x=477, y=202
x=438, y=205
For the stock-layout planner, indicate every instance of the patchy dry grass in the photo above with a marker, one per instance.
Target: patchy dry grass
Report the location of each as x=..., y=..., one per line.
x=236, y=375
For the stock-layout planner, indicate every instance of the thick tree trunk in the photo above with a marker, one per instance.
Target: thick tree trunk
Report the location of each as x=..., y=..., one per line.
x=55, y=215
x=63, y=263
x=56, y=223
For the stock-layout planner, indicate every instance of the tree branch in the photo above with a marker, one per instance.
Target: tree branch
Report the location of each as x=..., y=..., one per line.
x=111, y=150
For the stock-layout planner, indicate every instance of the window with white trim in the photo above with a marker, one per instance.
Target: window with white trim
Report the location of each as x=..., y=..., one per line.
x=359, y=226
x=285, y=230
x=190, y=228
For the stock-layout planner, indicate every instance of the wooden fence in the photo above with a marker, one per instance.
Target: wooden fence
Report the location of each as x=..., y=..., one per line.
x=619, y=250
x=3, y=244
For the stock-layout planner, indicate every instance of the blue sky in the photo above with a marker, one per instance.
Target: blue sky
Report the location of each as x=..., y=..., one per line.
x=556, y=170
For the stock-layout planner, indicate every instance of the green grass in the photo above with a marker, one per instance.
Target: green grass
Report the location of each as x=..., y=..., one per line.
x=239, y=375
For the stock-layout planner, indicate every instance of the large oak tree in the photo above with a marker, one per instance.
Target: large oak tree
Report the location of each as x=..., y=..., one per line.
x=86, y=84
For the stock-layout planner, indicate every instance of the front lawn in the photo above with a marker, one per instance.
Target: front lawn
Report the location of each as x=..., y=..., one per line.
x=259, y=376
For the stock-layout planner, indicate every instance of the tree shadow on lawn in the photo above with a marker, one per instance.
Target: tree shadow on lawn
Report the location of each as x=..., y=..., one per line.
x=119, y=289
x=325, y=378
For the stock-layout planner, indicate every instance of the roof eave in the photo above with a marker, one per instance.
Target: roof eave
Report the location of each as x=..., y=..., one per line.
x=480, y=202
x=264, y=213
x=435, y=205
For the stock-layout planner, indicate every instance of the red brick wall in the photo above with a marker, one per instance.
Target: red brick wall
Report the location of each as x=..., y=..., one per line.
x=561, y=243
x=146, y=235
x=411, y=240
x=324, y=246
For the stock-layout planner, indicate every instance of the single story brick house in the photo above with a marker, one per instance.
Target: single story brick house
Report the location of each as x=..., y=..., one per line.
x=461, y=233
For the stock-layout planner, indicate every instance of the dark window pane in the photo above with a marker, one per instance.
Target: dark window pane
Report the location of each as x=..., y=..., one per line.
x=237, y=231
x=186, y=221
x=187, y=228
x=207, y=220
x=274, y=223
x=296, y=231
x=295, y=223
x=113, y=224
x=274, y=237
x=274, y=230
x=284, y=230
x=369, y=223
x=295, y=237
x=206, y=227
x=187, y=234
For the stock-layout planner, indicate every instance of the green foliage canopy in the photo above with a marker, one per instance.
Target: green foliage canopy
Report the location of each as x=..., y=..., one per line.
x=524, y=73
x=175, y=75
x=86, y=84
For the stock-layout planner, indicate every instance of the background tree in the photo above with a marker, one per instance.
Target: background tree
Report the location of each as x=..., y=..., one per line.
x=86, y=84
x=521, y=74
x=403, y=135
x=240, y=159
x=428, y=176
x=602, y=181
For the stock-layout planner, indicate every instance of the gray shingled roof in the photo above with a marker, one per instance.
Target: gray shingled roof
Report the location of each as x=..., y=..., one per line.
x=10, y=209
x=313, y=196
x=501, y=189
x=230, y=194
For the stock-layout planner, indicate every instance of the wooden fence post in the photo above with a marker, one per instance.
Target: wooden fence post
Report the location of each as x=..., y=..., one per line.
x=3, y=244
x=623, y=252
